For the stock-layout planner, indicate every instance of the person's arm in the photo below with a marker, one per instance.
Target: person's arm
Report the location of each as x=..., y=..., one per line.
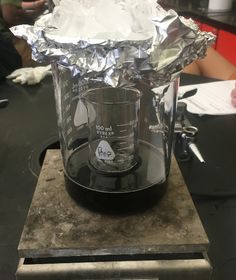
x=214, y=65
x=9, y=57
x=192, y=68
x=13, y=14
x=36, y=5
x=16, y=13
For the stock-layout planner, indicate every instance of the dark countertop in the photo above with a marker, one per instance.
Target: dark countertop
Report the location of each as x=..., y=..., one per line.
x=198, y=10
x=28, y=126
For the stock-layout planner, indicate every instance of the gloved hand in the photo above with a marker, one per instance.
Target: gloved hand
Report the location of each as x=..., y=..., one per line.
x=30, y=75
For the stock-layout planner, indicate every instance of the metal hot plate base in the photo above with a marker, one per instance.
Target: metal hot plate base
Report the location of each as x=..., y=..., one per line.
x=64, y=239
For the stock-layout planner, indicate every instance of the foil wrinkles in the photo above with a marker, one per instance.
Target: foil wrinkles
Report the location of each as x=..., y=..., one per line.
x=157, y=60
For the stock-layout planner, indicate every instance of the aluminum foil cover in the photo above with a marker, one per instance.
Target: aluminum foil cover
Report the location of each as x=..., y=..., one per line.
x=116, y=42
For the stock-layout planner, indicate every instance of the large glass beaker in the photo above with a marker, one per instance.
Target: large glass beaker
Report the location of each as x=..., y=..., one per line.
x=114, y=140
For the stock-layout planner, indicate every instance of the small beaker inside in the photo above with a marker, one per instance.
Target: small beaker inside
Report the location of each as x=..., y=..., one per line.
x=113, y=115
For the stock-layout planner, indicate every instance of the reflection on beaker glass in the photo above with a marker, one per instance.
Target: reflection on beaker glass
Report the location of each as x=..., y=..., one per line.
x=113, y=128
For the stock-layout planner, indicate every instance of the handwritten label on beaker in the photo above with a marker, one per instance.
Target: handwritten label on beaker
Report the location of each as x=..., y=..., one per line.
x=104, y=151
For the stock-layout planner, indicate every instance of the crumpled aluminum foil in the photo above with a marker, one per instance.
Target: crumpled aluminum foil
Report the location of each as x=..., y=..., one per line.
x=155, y=52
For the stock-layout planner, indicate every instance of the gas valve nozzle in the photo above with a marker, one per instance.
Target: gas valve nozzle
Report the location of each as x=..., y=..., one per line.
x=186, y=135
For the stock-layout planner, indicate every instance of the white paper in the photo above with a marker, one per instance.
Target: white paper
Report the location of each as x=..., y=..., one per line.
x=211, y=98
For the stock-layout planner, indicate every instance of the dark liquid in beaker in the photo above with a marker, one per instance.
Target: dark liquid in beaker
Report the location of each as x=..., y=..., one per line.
x=136, y=189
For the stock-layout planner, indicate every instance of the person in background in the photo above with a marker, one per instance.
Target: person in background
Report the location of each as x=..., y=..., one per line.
x=16, y=12
x=9, y=57
x=14, y=52
x=214, y=65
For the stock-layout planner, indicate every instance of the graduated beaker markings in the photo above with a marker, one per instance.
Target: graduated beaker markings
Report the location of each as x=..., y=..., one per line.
x=79, y=87
x=104, y=131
